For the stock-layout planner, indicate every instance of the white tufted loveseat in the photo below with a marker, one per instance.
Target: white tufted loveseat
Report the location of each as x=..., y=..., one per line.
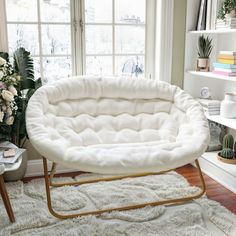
x=116, y=125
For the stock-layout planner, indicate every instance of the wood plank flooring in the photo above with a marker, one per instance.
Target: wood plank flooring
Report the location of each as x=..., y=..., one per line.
x=215, y=191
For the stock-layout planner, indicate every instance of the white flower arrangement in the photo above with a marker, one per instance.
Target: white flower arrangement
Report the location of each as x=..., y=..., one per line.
x=8, y=92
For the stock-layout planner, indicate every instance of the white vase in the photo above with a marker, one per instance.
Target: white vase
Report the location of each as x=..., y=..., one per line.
x=228, y=106
x=230, y=15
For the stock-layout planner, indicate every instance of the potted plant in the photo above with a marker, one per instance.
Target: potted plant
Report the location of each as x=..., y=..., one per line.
x=204, y=51
x=12, y=124
x=227, y=10
x=227, y=154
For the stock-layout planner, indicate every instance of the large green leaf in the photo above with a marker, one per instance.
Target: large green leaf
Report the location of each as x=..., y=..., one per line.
x=4, y=55
x=23, y=64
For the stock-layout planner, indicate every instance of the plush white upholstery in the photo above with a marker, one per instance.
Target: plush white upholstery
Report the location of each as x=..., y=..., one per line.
x=113, y=125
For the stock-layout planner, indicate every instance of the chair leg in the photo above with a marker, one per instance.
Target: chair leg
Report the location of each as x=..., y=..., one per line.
x=129, y=207
x=6, y=200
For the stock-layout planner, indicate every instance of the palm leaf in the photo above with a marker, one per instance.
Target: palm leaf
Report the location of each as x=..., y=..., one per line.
x=23, y=64
x=5, y=56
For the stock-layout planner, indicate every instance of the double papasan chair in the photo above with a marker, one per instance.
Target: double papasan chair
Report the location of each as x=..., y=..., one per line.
x=120, y=126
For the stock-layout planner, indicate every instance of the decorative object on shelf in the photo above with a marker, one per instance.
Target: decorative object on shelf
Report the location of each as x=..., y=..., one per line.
x=204, y=51
x=227, y=10
x=215, y=133
x=227, y=154
x=211, y=107
x=205, y=93
x=12, y=173
x=17, y=84
x=228, y=106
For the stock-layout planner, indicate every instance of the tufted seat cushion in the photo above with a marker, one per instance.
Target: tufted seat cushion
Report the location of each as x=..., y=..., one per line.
x=115, y=125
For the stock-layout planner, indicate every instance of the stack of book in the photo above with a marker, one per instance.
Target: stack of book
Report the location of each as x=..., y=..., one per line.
x=210, y=107
x=226, y=64
x=229, y=23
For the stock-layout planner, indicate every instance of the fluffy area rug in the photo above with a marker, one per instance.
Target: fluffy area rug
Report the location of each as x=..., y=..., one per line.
x=202, y=217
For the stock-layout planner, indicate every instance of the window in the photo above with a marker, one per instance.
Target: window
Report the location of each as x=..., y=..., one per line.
x=108, y=37
x=115, y=41
x=43, y=27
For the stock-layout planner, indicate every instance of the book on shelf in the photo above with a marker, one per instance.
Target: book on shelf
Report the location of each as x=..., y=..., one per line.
x=227, y=20
x=4, y=146
x=225, y=70
x=218, y=27
x=226, y=23
x=208, y=14
x=201, y=23
x=210, y=107
x=225, y=56
x=227, y=53
x=224, y=66
x=224, y=73
x=227, y=61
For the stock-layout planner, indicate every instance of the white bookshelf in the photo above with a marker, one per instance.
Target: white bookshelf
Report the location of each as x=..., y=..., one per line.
x=231, y=123
x=223, y=40
x=212, y=75
x=218, y=31
x=223, y=173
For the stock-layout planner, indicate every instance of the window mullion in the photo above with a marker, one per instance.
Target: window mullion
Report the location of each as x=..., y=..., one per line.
x=77, y=37
x=40, y=41
x=113, y=37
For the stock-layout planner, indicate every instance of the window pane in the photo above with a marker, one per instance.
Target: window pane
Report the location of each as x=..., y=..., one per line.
x=55, y=68
x=99, y=65
x=21, y=10
x=98, y=11
x=55, y=10
x=129, y=39
x=130, y=11
x=56, y=39
x=129, y=66
x=98, y=39
x=23, y=36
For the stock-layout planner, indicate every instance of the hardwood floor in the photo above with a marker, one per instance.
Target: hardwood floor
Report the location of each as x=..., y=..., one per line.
x=215, y=191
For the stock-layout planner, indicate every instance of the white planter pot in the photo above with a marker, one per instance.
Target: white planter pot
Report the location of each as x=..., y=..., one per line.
x=230, y=15
x=203, y=62
x=228, y=106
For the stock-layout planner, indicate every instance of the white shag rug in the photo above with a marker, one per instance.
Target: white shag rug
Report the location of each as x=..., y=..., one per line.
x=202, y=217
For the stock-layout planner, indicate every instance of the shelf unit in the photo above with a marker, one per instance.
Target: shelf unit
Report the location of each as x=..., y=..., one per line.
x=223, y=40
x=230, y=123
x=212, y=75
x=218, y=31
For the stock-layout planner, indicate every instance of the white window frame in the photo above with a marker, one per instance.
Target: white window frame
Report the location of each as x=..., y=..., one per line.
x=158, y=40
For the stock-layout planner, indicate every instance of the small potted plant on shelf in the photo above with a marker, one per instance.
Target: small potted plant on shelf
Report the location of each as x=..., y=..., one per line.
x=204, y=51
x=227, y=10
x=228, y=153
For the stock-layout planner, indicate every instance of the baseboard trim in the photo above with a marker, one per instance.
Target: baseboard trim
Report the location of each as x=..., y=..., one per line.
x=35, y=168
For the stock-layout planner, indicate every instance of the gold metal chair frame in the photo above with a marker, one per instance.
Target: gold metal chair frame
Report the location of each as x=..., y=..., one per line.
x=49, y=183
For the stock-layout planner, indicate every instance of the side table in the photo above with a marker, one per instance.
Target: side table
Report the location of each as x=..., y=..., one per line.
x=3, y=189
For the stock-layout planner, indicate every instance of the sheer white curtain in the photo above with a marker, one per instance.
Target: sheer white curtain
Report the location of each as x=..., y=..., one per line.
x=3, y=30
x=164, y=39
